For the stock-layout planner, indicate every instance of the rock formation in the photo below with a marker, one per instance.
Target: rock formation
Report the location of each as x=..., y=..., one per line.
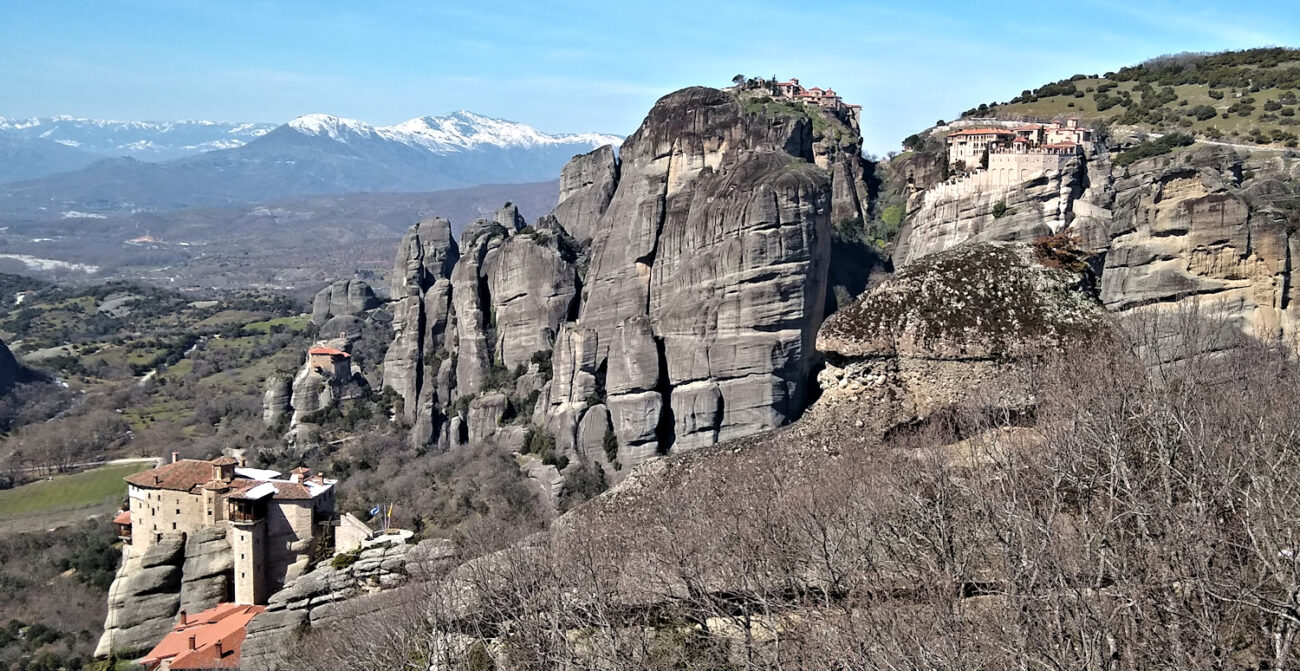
x=950, y=325
x=12, y=372
x=670, y=301
x=193, y=573
x=331, y=596
x=587, y=184
x=1203, y=230
x=342, y=298
x=706, y=281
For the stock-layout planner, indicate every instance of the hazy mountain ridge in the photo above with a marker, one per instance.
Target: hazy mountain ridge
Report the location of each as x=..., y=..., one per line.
x=144, y=140
x=312, y=155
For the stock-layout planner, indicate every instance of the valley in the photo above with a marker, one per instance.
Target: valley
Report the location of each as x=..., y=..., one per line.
x=723, y=393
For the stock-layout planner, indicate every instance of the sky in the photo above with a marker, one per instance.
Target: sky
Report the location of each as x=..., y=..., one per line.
x=579, y=66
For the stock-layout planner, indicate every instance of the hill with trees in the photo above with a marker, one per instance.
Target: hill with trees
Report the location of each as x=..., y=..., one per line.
x=1237, y=96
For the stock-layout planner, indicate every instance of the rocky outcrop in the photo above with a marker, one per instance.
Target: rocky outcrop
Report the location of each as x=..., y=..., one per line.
x=421, y=314
x=208, y=571
x=706, y=279
x=277, y=401
x=1193, y=232
x=587, y=184
x=329, y=596
x=983, y=207
x=144, y=598
x=191, y=572
x=12, y=372
x=952, y=325
x=669, y=302
x=1202, y=231
x=342, y=298
x=533, y=287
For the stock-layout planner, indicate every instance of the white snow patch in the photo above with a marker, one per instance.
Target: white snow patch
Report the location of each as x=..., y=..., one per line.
x=75, y=214
x=37, y=263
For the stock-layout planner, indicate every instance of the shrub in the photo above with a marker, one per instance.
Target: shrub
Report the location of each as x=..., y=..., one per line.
x=1061, y=251
x=345, y=559
x=1150, y=148
x=1000, y=209
x=1202, y=112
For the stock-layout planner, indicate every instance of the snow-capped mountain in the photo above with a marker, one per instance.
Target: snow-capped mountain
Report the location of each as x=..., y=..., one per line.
x=310, y=155
x=144, y=140
x=459, y=131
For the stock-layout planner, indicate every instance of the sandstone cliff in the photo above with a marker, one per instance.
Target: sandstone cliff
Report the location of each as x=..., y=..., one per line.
x=1204, y=230
x=669, y=302
x=193, y=573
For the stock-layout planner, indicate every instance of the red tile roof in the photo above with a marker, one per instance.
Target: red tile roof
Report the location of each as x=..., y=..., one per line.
x=218, y=634
x=123, y=517
x=982, y=131
x=182, y=476
x=330, y=351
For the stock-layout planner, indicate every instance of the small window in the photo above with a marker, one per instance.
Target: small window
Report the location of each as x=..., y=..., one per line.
x=178, y=511
x=173, y=526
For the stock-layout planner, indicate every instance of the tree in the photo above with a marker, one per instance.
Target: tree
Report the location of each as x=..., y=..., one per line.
x=738, y=80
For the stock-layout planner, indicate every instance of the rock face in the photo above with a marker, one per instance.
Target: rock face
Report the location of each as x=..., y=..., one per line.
x=180, y=572
x=144, y=598
x=1201, y=231
x=208, y=571
x=950, y=325
x=674, y=292
x=316, y=599
x=12, y=372
x=342, y=298
x=587, y=184
x=706, y=280
x=977, y=208
x=277, y=402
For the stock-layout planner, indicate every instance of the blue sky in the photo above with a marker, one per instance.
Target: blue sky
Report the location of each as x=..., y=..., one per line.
x=568, y=66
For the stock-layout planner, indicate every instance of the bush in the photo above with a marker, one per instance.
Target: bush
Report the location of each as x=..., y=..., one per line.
x=345, y=559
x=1151, y=148
x=1202, y=112
x=1000, y=209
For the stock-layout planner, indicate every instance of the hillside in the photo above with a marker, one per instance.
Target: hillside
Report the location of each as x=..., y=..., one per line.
x=1241, y=96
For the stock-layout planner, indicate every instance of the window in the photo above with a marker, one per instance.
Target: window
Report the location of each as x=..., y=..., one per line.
x=173, y=526
x=178, y=511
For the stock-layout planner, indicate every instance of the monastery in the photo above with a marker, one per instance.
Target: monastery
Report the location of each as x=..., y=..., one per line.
x=271, y=521
x=968, y=147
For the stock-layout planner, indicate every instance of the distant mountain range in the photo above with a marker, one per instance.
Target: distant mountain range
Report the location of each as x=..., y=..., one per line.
x=207, y=163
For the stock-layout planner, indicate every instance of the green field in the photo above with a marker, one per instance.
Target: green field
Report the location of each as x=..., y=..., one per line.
x=64, y=498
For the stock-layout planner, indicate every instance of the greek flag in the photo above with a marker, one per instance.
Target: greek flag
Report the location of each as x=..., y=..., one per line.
x=374, y=511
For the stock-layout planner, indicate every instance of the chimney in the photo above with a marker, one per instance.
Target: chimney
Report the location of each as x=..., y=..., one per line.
x=191, y=642
x=243, y=461
x=182, y=619
x=217, y=646
x=175, y=455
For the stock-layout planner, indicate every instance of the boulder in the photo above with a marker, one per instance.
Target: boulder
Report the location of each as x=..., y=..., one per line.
x=343, y=298
x=952, y=325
